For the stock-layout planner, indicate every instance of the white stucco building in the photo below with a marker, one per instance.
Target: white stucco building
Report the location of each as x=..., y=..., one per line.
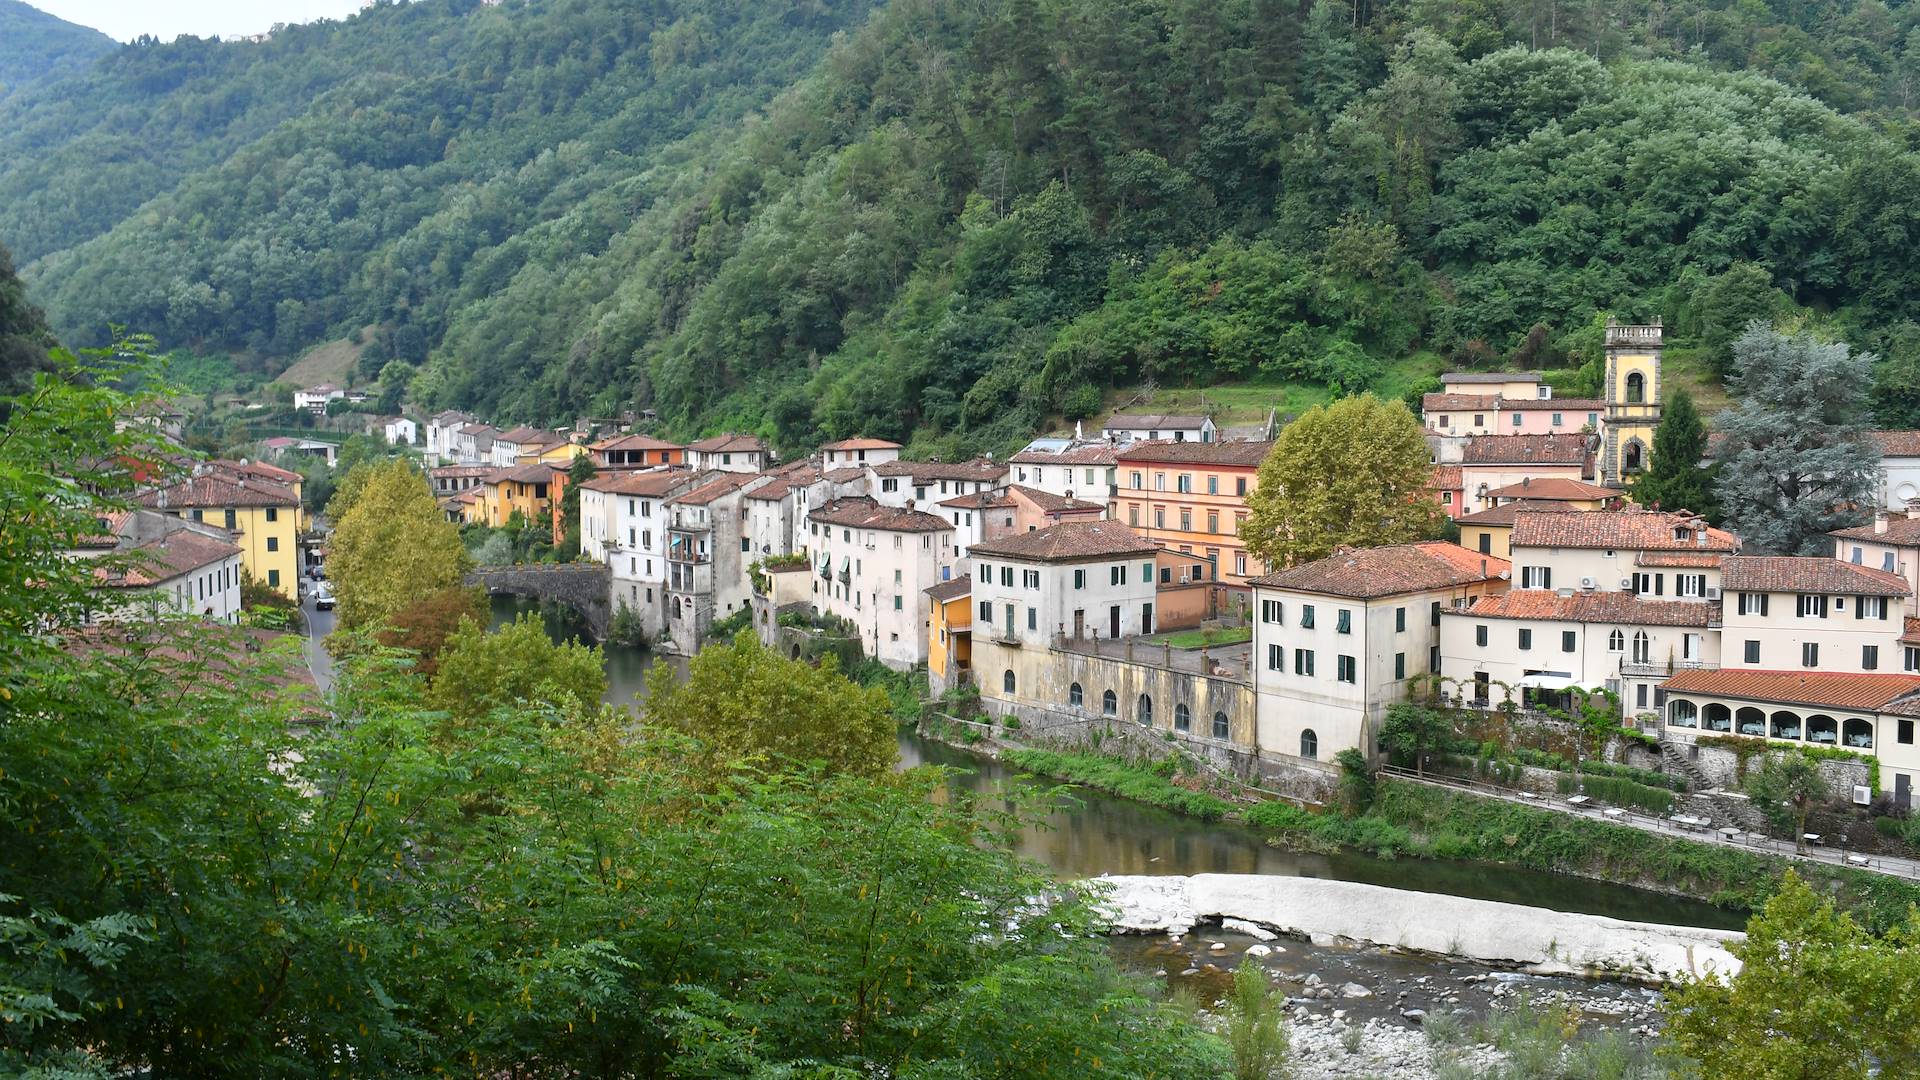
x=858, y=453
x=1083, y=579
x=623, y=524
x=871, y=565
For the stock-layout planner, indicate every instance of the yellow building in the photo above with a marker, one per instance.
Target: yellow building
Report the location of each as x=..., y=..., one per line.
x=532, y=490
x=263, y=516
x=1633, y=401
x=950, y=633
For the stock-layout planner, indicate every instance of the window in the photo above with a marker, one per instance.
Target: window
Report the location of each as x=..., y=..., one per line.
x=1186, y=520
x=896, y=603
x=1109, y=704
x=1309, y=744
x=1276, y=658
x=1239, y=485
x=1213, y=521
x=1133, y=514
x=1480, y=419
x=1159, y=481
x=1343, y=622
x=1006, y=577
x=1345, y=669
x=1221, y=730
x=1753, y=604
x=1183, y=484
x=1136, y=480
x=1433, y=615
x=1808, y=606
x=1642, y=646
x=1691, y=585
x=1074, y=695
x=1213, y=485
x=1271, y=611
x=1526, y=638
x=1029, y=579
x=1809, y=654
x=1143, y=711
x=1911, y=659
x=1033, y=619
x=746, y=545
x=1536, y=577
x=1752, y=652
x=1080, y=579
x=1400, y=620
x=1905, y=734
x=273, y=578
x=1649, y=584
x=1869, y=657
x=273, y=543
x=1433, y=659
x=1517, y=420
x=1870, y=607
x=1240, y=563
x=1558, y=420
x=1569, y=641
x=1399, y=665
x=1182, y=718
x=1303, y=661
x=1616, y=641
x=1480, y=635
x=1306, y=616
x=986, y=574
x=273, y=513
x=1007, y=681
x=986, y=612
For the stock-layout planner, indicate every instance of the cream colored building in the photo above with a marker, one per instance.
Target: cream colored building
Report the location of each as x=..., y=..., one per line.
x=1335, y=640
x=623, y=523
x=1489, y=463
x=1891, y=543
x=1650, y=553
x=858, y=453
x=1083, y=580
x=1632, y=400
x=1811, y=614
x=872, y=565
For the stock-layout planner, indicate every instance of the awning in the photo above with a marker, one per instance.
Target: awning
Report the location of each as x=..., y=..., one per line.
x=1552, y=680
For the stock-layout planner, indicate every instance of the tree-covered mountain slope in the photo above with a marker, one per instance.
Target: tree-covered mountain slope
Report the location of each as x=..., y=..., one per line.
x=36, y=47
x=960, y=216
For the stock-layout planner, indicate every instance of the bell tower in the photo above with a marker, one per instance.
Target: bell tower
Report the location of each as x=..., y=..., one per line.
x=1632, y=399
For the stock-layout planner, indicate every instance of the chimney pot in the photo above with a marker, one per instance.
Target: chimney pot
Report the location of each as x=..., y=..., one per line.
x=1880, y=519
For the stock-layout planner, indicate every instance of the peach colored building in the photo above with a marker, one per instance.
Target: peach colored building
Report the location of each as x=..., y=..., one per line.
x=1192, y=497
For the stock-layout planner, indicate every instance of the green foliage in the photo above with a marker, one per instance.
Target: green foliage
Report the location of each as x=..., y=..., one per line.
x=392, y=547
x=1676, y=479
x=1803, y=965
x=36, y=47
x=905, y=689
x=725, y=629
x=746, y=703
x=626, y=629
x=1356, y=780
x=1141, y=784
x=1256, y=1023
x=1355, y=472
x=1786, y=789
x=481, y=671
x=1624, y=793
x=1411, y=732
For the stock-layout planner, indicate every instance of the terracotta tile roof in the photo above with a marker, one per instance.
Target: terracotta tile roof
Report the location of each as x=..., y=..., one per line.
x=273, y=474
x=845, y=475
x=1525, y=450
x=950, y=590
x=204, y=653
x=1244, y=453
x=1434, y=403
x=1809, y=574
x=1632, y=530
x=857, y=512
x=653, y=482
x=218, y=489
x=1836, y=690
x=164, y=558
x=1901, y=531
x=861, y=443
x=1446, y=478
x=459, y=472
x=1590, y=607
x=773, y=490
x=1052, y=503
x=1362, y=573
x=1086, y=454
x=1067, y=541
x=634, y=442
x=718, y=486
x=1553, y=488
x=1493, y=377
x=1554, y=404
x=729, y=444
x=533, y=472
x=1680, y=560
x=526, y=433
x=1896, y=443
x=979, y=500
x=1910, y=631
x=1505, y=513
x=1151, y=421
x=980, y=470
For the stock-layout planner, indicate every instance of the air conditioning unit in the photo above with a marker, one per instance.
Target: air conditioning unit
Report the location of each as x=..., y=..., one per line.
x=1588, y=584
x=1862, y=795
x=1626, y=584
x=1713, y=592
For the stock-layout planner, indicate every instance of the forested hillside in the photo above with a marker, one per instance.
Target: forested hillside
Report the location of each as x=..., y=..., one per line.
x=36, y=46
x=964, y=216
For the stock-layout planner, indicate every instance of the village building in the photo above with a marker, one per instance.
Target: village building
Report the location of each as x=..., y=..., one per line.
x=707, y=556
x=1153, y=427
x=729, y=453
x=858, y=453
x=393, y=430
x=1069, y=468
x=623, y=524
x=918, y=483
x=243, y=499
x=1448, y=490
x=872, y=566
x=1490, y=463
x=1192, y=498
x=949, y=633
x=1899, y=468
x=473, y=445
x=636, y=452
x=148, y=563
x=1810, y=614
x=451, y=480
x=1891, y=543
x=1649, y=553
x=1633, y=401
x=533, y=491
x=1336, y=640
x=314, y=399
x=440, y=430
x=1490, y=532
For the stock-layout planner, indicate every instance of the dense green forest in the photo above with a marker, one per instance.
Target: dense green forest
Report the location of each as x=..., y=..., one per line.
x=36, y=46
x=948, y=220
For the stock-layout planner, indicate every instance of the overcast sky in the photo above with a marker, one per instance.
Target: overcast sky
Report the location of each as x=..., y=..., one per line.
x=168, y=19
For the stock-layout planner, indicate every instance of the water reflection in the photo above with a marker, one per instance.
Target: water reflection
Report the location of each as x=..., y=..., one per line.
x=1088, y=833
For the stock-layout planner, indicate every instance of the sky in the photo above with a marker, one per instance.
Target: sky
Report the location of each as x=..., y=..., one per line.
x=125, y=20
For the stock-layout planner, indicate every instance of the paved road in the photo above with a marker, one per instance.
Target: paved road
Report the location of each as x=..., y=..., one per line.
x=319, y=625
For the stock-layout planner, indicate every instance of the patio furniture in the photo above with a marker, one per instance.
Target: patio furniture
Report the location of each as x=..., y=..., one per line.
x=1813, y=838
x=1578, y=800
x=1858, y=860
x=1614, y=811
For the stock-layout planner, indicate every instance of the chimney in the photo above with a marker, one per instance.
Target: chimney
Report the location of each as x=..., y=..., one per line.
x=1079, y=430
x=1913, y=509
x=1880, y=519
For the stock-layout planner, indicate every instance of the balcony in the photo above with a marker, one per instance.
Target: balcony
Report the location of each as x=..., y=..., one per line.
x=1659, y=670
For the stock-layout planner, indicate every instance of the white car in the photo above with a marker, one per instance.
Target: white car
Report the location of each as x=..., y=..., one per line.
x=322, y=597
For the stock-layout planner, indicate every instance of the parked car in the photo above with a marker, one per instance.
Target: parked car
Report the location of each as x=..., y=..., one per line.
x=322, y=597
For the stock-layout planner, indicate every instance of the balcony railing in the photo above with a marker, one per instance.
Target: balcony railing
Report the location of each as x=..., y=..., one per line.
x=1664, y=667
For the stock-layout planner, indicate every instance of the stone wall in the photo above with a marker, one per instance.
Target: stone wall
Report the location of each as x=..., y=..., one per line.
x=1722, y=767
x=583, y=586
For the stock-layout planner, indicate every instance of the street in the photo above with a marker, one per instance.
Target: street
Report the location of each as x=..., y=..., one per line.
x=319, y=625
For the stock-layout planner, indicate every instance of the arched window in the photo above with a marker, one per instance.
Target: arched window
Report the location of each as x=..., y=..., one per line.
x=1859, y=733
x=1786, y=725
x=1309, y=744
x=1683, y=713
x=1616, y=641
x=676, y=608
x=1006, y=681
x=1636, y=388
x=1073, y=695
x=1146, y=710
x=1221, y=730
x=1182, y=718
x=1632, y=457
x=1109, y=704
x=1641, y=647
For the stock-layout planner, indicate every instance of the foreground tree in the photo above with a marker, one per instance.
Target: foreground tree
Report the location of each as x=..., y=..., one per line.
x=1796, y=463
x=746, y=702
x=393, y=547
x=425, y=628
x=1354, y=472
x=482, y=670
x=1411, y=730
x=1816, y=996
x=1786, y=789
x=1678, y=480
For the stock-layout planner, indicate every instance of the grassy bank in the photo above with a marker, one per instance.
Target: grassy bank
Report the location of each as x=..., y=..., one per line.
x=1417, y=821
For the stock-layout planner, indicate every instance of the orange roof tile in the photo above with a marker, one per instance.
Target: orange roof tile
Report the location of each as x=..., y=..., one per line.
x=1836, y=690
x=1631, y=530
x=1809, y=574
x=1364, y=573
x=1589, y=607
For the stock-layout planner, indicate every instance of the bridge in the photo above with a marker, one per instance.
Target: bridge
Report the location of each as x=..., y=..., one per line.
x=583, y=586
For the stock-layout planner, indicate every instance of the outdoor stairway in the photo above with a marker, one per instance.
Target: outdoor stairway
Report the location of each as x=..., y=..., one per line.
x=1705, y=800
x=1678, y=762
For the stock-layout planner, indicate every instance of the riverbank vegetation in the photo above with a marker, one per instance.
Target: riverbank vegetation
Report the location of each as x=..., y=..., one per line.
x=211, y=869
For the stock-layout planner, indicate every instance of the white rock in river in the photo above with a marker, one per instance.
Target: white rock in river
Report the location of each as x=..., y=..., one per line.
x=1258, y=950
x=1252, y=930
x=1355, y=990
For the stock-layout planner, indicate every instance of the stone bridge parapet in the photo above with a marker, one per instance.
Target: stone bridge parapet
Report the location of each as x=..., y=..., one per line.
x=583, y=586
